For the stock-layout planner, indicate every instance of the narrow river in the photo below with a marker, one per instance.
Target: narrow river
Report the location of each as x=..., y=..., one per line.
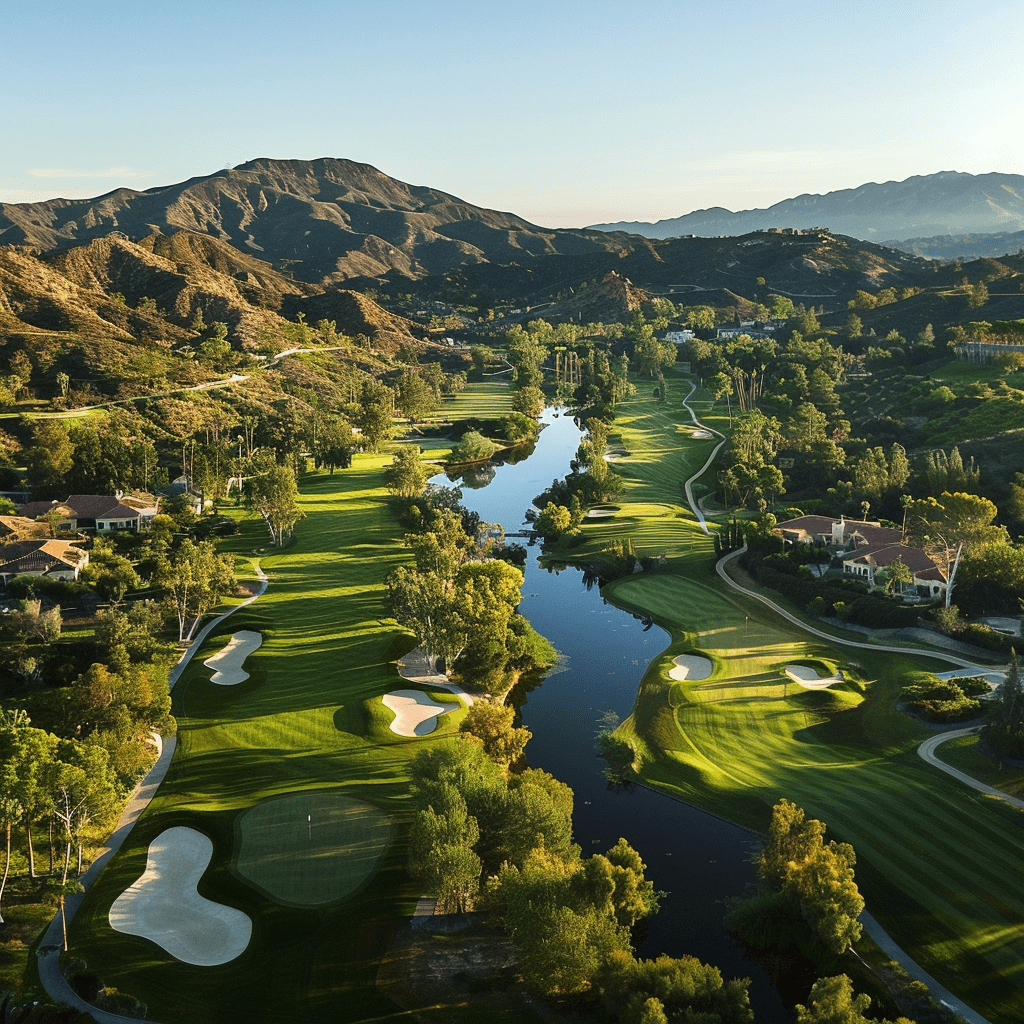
x=697, y=859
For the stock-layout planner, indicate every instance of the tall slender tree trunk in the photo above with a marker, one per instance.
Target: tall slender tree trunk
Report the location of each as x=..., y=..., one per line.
x=31, y=852
x=7, y=868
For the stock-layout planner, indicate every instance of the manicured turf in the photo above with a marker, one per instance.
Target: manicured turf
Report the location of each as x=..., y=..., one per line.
x=939, y=864
x=310, y=849
x=307, y=720
x=481, y=400
x=654, y=513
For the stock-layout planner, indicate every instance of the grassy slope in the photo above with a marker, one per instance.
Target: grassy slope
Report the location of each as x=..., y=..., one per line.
x=307, y=718
x=939, y=865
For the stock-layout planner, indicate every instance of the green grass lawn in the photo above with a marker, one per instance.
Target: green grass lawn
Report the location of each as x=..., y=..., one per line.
x=313, y=848
x=306, y=721
x=483, y=400
x=939, y=864
x=963, y=754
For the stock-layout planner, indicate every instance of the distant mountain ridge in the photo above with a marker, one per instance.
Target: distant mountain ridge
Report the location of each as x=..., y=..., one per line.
x=946, y=203
x=325, y=221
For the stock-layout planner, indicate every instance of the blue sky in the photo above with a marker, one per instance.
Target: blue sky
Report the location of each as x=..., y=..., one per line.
x=566, y=113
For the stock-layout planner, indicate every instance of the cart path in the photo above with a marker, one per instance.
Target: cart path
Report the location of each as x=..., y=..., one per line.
x=52, y=942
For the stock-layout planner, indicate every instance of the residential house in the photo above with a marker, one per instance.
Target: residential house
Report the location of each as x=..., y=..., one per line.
x=99, y=513
x=867, y=561
x=14, y=528
x=57, y=559
x=58, y=515
x=864, y=548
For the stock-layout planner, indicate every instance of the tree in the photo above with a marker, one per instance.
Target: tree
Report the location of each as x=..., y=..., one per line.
x=526, y=353
x=815, y=879
x=195, y=579
x=529, y=401
x=275, y=495
x=111, y=575
x=553, y=521
x=832, y=1001
x=490, y=724
x=423, y=602
x=406, y=476
x=12, y=750
x=49, y=458
x=949, y=525
x=898, y=577
x=473, y=447
x=333, y=443
x=373, y=413
x=1003, y=731
x=944, y=472
x=414, y=397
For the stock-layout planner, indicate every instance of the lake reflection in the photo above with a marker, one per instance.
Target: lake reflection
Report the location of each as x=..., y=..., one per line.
x=698, y=860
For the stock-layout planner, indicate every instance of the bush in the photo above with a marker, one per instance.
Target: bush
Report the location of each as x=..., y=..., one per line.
x=941, y=700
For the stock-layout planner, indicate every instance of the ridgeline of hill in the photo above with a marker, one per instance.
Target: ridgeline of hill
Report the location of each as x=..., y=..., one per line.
x=923, y=206
x=325, y=221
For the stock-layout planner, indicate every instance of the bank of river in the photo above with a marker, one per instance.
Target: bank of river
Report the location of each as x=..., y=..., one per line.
x=700, y=861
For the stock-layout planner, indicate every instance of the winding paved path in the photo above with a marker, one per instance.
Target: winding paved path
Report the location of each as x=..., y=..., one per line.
x=927, y=751
x=50, y=947
x=694, y=505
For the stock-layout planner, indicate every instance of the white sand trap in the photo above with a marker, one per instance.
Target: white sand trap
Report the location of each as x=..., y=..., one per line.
x=415, y=713
x=228, y=662
x=690, y=666
x=599, y=513
x=165, y=906
x=809, y=679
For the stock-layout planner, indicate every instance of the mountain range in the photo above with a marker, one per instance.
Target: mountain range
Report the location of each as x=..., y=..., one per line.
x=925, y=208
x=258, y=245
x=325, y=221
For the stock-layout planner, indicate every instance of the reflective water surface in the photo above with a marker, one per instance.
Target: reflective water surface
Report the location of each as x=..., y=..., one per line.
x=699, y=860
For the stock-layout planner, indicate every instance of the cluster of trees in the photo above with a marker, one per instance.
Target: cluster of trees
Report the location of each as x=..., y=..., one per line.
x=943, y=700
x=460, y=596
x=1003, y=731
x=487, y=836
x=811, y=899
x=592, y=479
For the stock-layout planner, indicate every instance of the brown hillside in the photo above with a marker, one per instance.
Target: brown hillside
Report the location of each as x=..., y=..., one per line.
x=323, y=220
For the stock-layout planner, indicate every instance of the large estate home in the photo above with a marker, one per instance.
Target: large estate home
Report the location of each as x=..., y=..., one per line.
x=95, y=513
x=58, y=559
x=864, y=548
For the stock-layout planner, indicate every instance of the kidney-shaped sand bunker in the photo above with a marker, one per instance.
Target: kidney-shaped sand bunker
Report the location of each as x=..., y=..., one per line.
x=165, y=906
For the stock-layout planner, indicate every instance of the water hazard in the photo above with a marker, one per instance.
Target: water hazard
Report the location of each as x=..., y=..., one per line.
x=697, y=859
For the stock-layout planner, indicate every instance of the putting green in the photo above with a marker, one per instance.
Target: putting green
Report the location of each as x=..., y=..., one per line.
x=311, y=848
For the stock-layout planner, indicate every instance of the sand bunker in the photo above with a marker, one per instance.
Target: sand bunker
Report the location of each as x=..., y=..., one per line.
x=165, y=906
x=228, y=662
x=600, y=513
x=415, y=713
x=690, y=666
x=809, y=679
x=616, y=454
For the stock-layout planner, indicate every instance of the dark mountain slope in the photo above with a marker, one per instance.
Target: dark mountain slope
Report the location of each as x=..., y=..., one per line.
x=812, y=267
x=324, y=220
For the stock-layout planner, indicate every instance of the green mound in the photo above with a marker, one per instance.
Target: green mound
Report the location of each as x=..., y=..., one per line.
x=311, y=848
